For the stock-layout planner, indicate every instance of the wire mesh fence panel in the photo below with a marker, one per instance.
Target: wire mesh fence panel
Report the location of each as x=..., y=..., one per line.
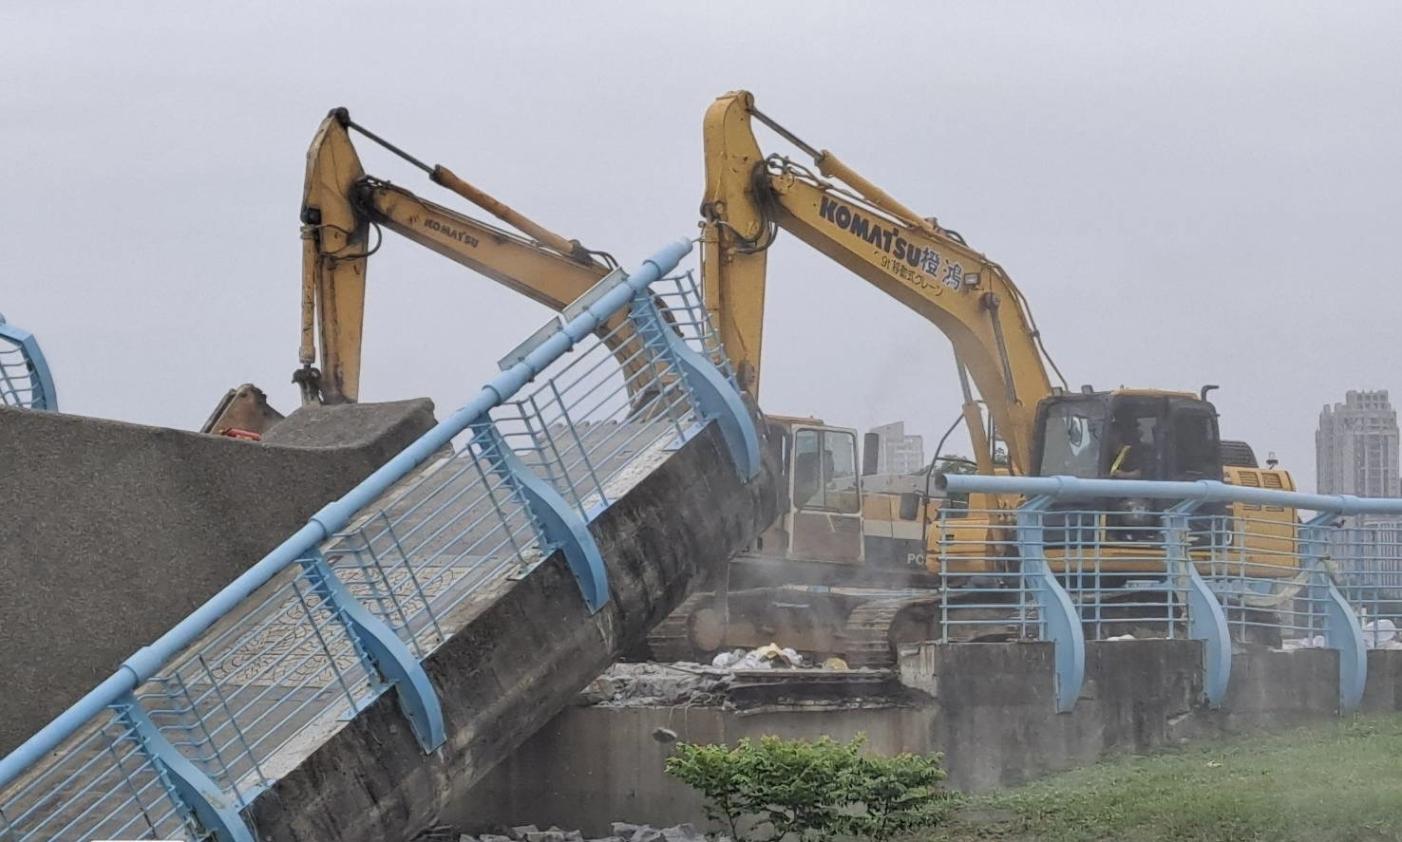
x=17, y=383
x=686, y=314
x=439, y=539
x=1364, y=556
x=289, y=663
x=25, y=381
x=983, y=594
x=1118, y=569
x=102, y=786
x=616, y=397
x=1258, y=563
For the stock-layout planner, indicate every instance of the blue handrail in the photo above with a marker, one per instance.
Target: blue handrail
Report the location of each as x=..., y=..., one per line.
x=1077, y=488
x=1339, y=579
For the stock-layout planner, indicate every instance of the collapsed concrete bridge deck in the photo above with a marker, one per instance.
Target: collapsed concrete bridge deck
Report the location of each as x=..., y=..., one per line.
x=372, y=666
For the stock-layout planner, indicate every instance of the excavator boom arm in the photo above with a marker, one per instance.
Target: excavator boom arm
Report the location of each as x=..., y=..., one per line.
x=343, y=211
x=968, y=297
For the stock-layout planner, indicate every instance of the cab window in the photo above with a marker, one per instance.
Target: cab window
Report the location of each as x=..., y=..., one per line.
x=1195, y=447
x=1134, y=434
x=1071, y=438
x=825, y=471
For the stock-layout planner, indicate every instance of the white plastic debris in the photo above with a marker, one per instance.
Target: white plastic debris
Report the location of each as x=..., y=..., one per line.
x=1378, y=633
x=1316, y=642
x=726, y=660
x=763, y=658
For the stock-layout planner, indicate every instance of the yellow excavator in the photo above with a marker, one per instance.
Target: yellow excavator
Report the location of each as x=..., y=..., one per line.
x=343, y=215
x=1043, y=428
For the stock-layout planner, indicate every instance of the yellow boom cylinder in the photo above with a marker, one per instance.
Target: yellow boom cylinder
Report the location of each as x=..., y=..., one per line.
x=447, y=178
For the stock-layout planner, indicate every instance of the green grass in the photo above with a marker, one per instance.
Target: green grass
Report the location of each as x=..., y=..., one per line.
x=1340, y=781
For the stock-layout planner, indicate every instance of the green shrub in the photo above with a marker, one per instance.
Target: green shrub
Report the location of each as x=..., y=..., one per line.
x=811, y=790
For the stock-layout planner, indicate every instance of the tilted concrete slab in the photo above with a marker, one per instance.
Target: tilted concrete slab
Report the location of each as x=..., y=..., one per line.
x=110, y=533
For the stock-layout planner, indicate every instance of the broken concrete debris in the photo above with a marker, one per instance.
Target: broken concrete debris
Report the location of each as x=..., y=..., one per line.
x=657, y=684
x=691, y=683
x=643, y=685
x=622, y=832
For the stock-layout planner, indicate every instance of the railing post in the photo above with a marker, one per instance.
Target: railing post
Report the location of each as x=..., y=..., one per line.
x=43, y=395
x=388, y=657
x=1060, y=622
x=187, y=785
x=561, y=527
x=713, y=395
x=1342, y=630
x=1207, y=621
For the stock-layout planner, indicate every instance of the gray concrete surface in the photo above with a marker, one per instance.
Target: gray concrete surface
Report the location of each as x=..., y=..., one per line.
x=110, y=533
x=989, y=707
x=521, y=652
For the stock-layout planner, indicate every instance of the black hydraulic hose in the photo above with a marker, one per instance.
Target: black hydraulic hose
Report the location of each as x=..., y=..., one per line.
x=929, y=472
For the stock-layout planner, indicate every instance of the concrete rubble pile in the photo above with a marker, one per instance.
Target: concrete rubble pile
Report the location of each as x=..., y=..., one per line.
x=625, y=685
x=685, y=683
x=622, y=832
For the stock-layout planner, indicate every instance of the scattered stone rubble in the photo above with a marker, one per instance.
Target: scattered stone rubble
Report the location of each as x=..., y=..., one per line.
x=625, y=685
x=654, y=684
x=622, y=832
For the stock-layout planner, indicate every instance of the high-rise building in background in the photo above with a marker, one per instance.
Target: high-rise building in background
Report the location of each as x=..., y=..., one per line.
x=1356, y=452
x=1356, y=447
x=899, y=453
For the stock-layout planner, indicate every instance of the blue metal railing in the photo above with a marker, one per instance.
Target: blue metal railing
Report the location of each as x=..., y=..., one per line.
x=24, y=373
x=191, y=728
x=1209, y=561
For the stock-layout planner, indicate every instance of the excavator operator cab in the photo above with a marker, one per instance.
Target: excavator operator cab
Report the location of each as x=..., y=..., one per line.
x=1124, y=434
x=824, y=517
x=1128, y=435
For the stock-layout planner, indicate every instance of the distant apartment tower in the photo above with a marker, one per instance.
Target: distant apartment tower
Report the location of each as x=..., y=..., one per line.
x=898, y=453
x=1356, y=447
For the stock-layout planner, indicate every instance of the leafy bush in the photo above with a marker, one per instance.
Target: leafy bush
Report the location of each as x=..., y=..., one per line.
x=811, y=790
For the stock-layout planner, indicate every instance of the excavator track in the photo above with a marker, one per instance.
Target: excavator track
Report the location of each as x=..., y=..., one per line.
x=670, y=641
x=876, y=629
x=869, y=626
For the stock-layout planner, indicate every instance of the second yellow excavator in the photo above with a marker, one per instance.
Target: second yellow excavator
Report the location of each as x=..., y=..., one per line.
x=1044, y=429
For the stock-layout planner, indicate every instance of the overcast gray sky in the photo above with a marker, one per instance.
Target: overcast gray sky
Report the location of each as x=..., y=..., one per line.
x=1189, y=193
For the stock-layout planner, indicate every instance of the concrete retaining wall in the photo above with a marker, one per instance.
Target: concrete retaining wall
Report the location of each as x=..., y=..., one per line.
x=990, y=709
x=111, y=533
x=593, y=765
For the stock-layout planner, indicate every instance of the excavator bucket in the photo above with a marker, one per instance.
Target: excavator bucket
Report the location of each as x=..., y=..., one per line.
x=242, y=413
